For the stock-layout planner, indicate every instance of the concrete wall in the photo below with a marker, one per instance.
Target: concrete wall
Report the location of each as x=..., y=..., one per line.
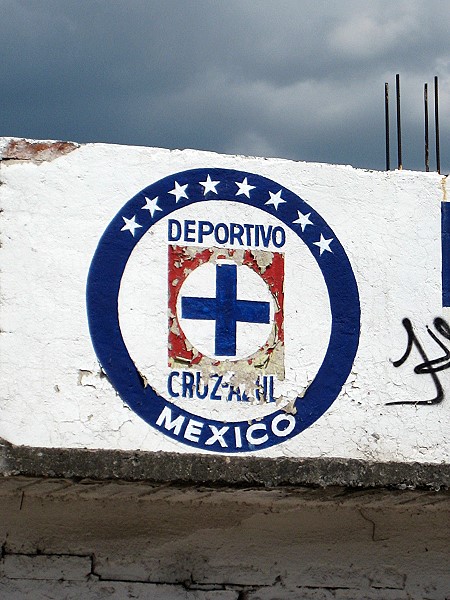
x=114, y=485
x=58, y=199
x=116, y=540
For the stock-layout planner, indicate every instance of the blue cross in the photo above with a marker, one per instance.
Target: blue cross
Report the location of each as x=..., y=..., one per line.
x=225, y=309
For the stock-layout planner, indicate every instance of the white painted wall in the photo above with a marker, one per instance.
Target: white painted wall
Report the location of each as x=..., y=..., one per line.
x=54, y=213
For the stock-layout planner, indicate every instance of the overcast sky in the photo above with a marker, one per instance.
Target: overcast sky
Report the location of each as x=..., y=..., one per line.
x=290, y=78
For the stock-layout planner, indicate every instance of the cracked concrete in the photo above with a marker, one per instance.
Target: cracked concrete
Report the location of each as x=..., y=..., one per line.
x=92, y=539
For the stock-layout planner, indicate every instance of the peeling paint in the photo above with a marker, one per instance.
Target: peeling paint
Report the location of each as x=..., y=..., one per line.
x=388, y=224
x=145, y=382
x=82, y=374
x=270, y=357
x=444, y=188
x=90, y=378
x=239, y=374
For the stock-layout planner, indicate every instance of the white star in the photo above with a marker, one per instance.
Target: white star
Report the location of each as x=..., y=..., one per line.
x=303, y=220
x=275, y=199
x=210, y=186
x=151, y=205
x=130, y=225
x=324, y=244
x=244, y=188
x=179, y=191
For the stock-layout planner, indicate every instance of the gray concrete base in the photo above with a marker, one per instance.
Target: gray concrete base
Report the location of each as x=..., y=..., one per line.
x=81, y=524
x=218, y=470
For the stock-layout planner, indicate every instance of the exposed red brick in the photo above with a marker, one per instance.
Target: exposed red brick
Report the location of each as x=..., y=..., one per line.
x=37, y=151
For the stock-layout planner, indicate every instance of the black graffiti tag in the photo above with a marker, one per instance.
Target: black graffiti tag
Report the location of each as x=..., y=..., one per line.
x=427, y=367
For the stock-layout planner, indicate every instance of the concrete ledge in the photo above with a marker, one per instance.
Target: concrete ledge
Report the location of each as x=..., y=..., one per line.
x=195, y=469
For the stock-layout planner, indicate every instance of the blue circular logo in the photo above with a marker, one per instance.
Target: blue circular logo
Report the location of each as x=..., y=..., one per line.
x=184, y=189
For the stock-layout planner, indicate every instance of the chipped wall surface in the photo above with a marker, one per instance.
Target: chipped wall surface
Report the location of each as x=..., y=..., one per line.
x=336, y=341
x=89, y=539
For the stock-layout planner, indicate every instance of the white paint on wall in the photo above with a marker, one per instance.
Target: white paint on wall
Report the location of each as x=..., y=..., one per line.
x=54, y=213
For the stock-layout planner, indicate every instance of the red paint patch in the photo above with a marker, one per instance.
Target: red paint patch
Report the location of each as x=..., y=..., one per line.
x=181, y=264
x=183, y=260
x=273, y=275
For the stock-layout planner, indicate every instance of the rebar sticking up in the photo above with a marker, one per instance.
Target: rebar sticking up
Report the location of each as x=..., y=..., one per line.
x=436, y=124
x=427, y=147
x=386, y=119
x=399, y=125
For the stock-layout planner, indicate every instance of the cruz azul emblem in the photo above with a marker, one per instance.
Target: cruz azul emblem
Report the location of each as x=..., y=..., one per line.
x=223, y=309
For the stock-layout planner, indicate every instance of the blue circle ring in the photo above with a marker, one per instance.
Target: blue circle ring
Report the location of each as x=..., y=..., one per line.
x=108, y=265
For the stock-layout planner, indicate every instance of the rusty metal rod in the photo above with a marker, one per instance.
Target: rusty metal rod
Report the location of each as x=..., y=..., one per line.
x=399, y=125
x=386, y=120
x=427, y=147
x=436, y=123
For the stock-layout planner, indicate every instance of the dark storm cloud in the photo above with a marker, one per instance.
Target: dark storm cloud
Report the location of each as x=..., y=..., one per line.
x=295, y=78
